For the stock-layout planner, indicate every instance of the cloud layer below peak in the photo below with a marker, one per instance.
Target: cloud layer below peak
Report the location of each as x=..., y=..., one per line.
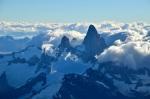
x=128, y=43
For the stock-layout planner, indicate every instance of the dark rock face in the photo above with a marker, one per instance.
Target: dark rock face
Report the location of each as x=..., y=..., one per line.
x=81, y=87
x=94, y=44
x=65, y=43
x=96, y=84
x=8, y=92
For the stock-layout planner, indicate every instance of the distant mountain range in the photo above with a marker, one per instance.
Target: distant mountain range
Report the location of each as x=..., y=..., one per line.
x=63, y=62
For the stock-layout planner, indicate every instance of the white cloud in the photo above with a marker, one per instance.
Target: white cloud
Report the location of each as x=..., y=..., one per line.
x=131, y=54
x=128, y=42
x=75, y=37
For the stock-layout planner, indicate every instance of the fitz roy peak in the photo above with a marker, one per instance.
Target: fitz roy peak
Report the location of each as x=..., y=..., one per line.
x=93, y=42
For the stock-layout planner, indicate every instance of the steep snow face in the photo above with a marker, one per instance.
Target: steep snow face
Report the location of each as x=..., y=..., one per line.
x=18, y=74
x=9, y=44
x=19, y=66
x=70, y=63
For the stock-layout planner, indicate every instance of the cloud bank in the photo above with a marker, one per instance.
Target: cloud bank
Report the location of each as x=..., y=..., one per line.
x=128, y=43
x=132, y=54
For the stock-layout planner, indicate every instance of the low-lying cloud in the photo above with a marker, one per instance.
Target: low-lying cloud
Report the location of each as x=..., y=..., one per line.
x=131, y=54
x=128, y=43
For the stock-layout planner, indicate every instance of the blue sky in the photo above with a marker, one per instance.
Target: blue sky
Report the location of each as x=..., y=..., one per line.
x=75, y=10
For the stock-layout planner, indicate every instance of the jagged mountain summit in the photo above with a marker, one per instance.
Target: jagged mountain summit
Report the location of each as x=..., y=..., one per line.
x=56, y=65
x=65, y=43
x=93, y=42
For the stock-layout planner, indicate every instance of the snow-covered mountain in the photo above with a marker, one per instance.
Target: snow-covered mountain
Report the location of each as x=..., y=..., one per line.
x=74, y=61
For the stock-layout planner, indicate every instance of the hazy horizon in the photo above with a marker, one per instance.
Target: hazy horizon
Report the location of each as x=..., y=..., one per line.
x=67, y=11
